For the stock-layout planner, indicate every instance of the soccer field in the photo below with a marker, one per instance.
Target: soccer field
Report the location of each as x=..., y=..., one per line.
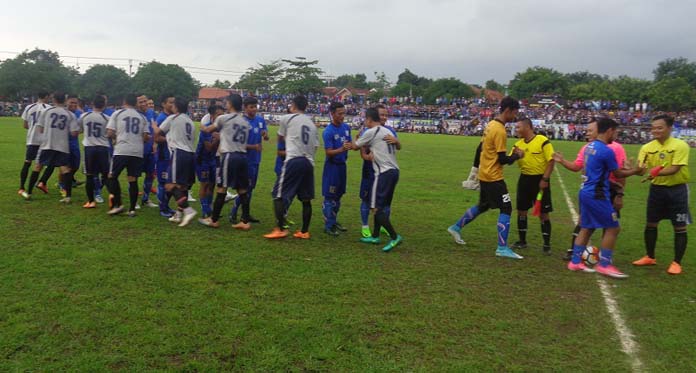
x=83, y=291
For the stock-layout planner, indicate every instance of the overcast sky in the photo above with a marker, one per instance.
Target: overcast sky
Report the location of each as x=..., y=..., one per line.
x=472, y=40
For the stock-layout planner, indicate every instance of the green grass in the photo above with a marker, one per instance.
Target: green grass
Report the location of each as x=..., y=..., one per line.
x=82, y=291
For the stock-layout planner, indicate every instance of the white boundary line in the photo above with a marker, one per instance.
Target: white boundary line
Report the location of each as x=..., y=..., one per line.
x=628, y=343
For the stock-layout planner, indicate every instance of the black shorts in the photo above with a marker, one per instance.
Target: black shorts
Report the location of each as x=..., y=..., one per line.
x=182, y=168
x=96, y=160
x=669, y=202
x=233, y=171
x=53, y=158
x=494, y=195
x=32, y=153
x=296, y=179
x=383, y=187
x=132, y=164
x=527, y=190
x=613, y=193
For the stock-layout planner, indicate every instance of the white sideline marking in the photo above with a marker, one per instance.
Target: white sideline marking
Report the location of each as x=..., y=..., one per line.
x=628, y=343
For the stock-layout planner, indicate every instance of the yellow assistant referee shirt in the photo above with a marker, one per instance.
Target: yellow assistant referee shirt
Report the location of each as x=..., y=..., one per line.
x=493, y=142
x=673, y=152
x=538, y=152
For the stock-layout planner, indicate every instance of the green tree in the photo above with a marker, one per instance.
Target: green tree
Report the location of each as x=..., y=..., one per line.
x=584, y=77
x=631, y=90
x=225, y=84
x=494, y=86
x=380, y=82
x=673, y=94
x=407, y=90
x=351, y=81
x=262, y=78
x=676, y=68
x=301, y=76
x=154, y=79
x=105, y=79
x=538, y=80
x=449, y=88
x=37, y=70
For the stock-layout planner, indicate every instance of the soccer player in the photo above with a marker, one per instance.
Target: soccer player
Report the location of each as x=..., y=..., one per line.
x=178, y=129
x=493, y=191
x=74, y=107
x=162, y=156
x=233, y=170
x=31, y=116
x=56, y=124
x=206, y=160
x=337, y=143
x=128, y=127
x=258, y=133
x=96, y=143
x=383, y=146
x=297, y=176
x=148, y=152
x=667, y=159
x=596, y=209
x=536, y=167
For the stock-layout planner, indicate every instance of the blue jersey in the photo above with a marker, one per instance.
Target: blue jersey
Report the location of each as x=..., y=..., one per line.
x=279, y=159
x=150, y=116
x=108, y=111
x=202, y=154
x=257, y=125
x=600, y=162
x=334, y=137
x=162, y=151
x=368, y=171
x=72, y=140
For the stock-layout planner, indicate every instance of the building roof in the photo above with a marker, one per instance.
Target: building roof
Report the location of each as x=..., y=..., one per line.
x=209, y=93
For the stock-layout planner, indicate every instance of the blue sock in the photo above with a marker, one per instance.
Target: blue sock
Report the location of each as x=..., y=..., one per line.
x=336, y=208
x=364, y=213
x=97, y=186
x=329, y=215
x=577, y=254
x=605, y=257
x=147, y=186
x=205, y=205
x=235, y=207
x=503, y=229
x=469, y=216
x=162, y=197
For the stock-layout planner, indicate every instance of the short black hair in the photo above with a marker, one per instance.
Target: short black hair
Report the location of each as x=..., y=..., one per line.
x=604, y=124
x=181, y=104
x=236, y=101
x=72, y=96
x=372, y=114
x=99, y=102
x=250, y=100
x=213, y=108
x=131, y=99
x=164, y=97
x=527, y=121
x=668, y=119
x=59, y=97
x=42, y=94
x=381, y=106
x=335, y=106
x=509, y=103
x=300, y=102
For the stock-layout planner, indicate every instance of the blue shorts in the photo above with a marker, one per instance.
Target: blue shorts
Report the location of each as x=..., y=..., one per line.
x=132, y=165
x=383, y=188
x=296, y=180
x=75, y=157
x=149, y=164
x=333, y=183
x=96, y=160
x=53, y=158
x=182, y=168
x=233, y=171
x=597, y=213
x=253, y=174
x=205, y=171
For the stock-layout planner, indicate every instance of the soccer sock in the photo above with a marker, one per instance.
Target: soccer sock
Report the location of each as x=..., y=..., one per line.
x=133, y=194
x=306, y=215
x=147, y=186
x=244, y=197
x=235, y=207
x=162, y=197
x=650, y=238
x=377, y=227
x=336, y=208
x=23, y=174
x=279, y=209
x=115, y=188
x=329, y=214
x=32, y=180
x=98, y=182
x=470, y=215
x=503, y=229
x=364, y=213
x=680, y=241
x=605, y=257
x=522, y=227
x=217, y=206
x=387, y=211
x=577, y=254
x=546, y=232
x=384, y=221
x=68, y=185
x=205, y=204
x=47, y=174
x=576, y=232
x=89, y=188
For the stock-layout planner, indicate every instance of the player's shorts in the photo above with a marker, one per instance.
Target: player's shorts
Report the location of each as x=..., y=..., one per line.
x=75, y=157
x=205, y=170
x=133, y=165
x=296, y=180
x=383, y=187
x=597, y=213
x=149, y=163
x=527, y=190
x=182, y=168
x=31, y=153
x=96, y=160
x=233, y=171
x=669, y=202
x=613, y=193
x=53, y=158
x=333, y=184
x=494, y=195
x=253, y=174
